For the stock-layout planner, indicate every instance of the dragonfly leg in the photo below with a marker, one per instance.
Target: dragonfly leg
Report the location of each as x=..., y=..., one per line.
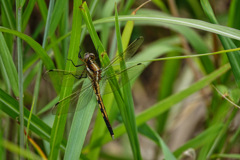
x=74, y=64
x=79, y=53
x=81, y=76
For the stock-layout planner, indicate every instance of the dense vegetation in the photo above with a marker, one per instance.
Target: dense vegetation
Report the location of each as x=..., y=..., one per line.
x=183, y=103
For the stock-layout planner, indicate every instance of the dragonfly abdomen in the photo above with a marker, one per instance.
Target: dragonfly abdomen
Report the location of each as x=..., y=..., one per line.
x=102, y=108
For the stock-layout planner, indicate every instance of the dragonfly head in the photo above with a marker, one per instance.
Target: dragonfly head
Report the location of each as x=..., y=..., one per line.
x=89, y=55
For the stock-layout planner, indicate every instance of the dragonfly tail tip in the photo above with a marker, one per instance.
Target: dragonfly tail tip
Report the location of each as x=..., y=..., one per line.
x=112, y=136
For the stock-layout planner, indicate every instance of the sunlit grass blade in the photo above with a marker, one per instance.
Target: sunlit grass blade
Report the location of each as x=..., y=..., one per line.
x=214, y=28
x=139, y=59
x=59, y=122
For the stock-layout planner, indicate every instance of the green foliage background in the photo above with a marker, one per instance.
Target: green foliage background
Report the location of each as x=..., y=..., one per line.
x=170, y=109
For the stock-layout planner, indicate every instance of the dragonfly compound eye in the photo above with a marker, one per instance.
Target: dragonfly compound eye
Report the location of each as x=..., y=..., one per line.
x=86, y=55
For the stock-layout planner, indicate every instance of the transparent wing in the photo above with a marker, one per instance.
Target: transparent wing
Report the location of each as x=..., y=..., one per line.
x=128, y=53
x=58, y=77
x=81, y=97
x=105, y=83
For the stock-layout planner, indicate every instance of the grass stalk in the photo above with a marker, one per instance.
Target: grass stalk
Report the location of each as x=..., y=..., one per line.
x=39, y=73
x=20, y=75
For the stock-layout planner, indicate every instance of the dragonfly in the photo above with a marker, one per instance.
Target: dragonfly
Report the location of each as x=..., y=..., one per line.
x=100, y=80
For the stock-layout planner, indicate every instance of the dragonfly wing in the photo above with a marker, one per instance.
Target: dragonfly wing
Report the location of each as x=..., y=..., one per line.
x=80, y=97
x=59, y=77
x=128, y=53
x=106, y=85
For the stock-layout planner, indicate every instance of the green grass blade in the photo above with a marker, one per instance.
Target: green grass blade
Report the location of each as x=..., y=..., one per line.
x=87, y=19
x=226, y=42
x=29, y=78
x=107, y=11
x=226, y=156
x=35, y=34
x=27, y=13
x=29, y=120
x=150, y=133
x=127, y=94
x=79, y=129
x=161, y=5
x=43, y=9
x=57, y=14
x=103, y=56
x=5, y=77
x=20, y=74
x=11, y=107
x=59, y=122
x=170, y=71
x=39, y=73
x=20, y=151
x=10, y=16
x=57, y=53
x=222, y=133
x=214, y=28
x=8, y=37
x=92, y=9
x=9, y=65
x=37, y=48
x=233, y=15
x=63, y=29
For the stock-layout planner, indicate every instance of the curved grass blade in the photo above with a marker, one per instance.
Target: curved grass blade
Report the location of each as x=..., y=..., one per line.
x=11, y=107
x=36, y=46
x=214, y=28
